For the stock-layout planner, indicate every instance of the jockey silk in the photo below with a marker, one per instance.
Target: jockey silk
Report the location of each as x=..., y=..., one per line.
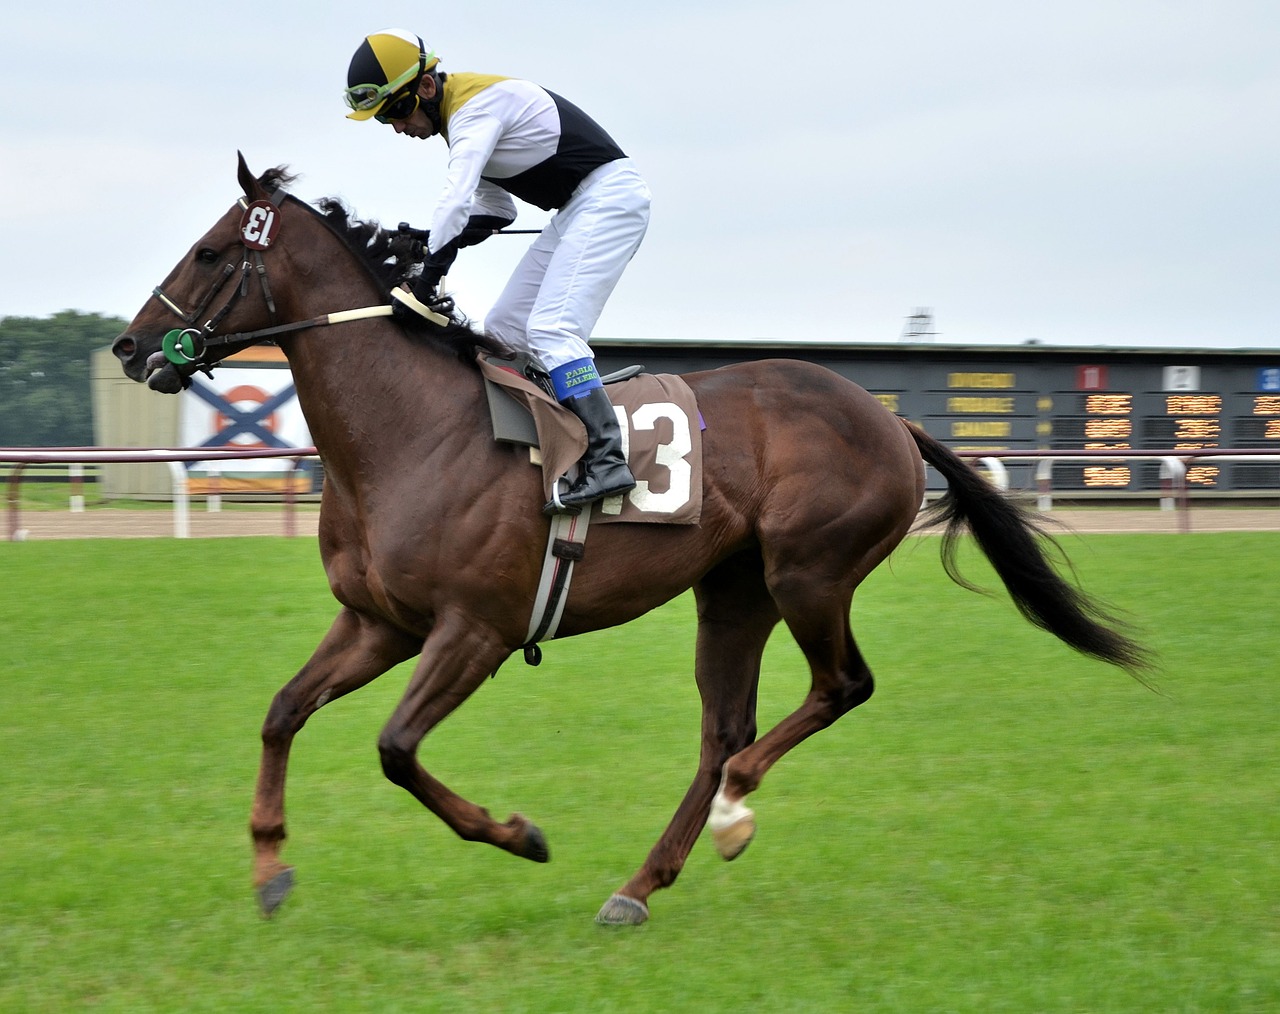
x=511, y=137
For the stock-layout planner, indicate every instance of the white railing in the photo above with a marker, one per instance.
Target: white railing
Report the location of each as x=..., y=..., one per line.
x=77, y=457
x=1173, y=469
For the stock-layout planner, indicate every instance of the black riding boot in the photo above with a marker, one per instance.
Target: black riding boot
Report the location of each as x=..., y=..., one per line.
x=604, y=470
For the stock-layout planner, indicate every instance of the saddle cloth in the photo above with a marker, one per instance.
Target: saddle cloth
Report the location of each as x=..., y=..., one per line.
x=661, y=429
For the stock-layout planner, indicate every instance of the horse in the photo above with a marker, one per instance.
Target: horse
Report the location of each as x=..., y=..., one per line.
x=432, y=535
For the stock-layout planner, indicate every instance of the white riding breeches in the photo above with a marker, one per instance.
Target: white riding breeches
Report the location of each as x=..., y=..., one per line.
x=558, y=290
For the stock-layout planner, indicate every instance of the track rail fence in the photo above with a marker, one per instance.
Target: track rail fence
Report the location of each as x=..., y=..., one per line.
x=76, y=457
x=1173, y=495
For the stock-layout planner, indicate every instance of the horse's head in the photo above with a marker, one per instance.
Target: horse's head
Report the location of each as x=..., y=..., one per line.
x=223, y=296
x=220, y=286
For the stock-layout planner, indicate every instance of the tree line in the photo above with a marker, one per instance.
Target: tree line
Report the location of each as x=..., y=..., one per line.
x=44, y=377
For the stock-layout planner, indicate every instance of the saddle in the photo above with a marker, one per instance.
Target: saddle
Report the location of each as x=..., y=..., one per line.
x=512, y=420
x=662, y=431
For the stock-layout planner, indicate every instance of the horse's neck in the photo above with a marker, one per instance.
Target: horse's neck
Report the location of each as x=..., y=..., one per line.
x=373, y=397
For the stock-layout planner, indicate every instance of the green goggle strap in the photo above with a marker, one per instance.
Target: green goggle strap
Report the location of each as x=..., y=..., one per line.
x=366, y=96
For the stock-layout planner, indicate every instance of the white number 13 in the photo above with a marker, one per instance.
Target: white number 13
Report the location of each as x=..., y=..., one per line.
x=672, y=455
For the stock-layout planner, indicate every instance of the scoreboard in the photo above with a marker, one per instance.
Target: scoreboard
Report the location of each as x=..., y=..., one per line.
x=1032, y=398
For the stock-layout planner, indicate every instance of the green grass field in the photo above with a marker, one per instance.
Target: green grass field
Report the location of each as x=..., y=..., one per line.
x=1005, y=826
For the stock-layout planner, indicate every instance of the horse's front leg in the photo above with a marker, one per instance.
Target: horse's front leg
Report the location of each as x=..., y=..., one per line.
x=357, y=650
x=459, y=654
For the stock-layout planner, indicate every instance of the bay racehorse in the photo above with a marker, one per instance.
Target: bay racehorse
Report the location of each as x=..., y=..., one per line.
x=432, y=534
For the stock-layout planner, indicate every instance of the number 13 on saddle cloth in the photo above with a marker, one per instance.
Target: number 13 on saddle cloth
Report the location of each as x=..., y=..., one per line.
x=661, y=434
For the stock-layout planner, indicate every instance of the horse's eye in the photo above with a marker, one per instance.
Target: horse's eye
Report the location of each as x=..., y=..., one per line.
x=207, y=255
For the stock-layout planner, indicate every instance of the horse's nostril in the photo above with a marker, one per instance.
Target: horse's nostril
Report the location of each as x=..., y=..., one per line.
x=125, y=347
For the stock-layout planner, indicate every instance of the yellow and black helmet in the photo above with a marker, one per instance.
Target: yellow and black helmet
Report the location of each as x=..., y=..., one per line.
x=387, y=65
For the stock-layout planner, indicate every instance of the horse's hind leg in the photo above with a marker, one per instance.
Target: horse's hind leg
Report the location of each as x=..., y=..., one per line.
x=818, y=618
x=735, y=618
x=356, y=651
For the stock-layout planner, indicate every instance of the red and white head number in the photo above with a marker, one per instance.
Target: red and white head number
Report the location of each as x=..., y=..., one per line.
x=259, y=225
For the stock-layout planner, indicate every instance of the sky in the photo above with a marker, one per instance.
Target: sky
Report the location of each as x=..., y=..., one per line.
x=1101, y=172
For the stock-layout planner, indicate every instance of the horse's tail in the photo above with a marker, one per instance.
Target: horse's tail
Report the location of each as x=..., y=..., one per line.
x=1012, y=542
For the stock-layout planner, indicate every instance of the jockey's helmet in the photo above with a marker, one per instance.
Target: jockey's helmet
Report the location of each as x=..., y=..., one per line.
x=385, y=69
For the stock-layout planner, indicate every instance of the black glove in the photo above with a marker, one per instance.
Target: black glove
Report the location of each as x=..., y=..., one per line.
x=433, y=269
x=436, y=265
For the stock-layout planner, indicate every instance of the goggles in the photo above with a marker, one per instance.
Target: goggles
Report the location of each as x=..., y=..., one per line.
x=400, y=108
x=364, y=97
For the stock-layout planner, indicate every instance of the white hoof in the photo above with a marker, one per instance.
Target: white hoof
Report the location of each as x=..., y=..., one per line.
x=733, y=840
x=733, y=825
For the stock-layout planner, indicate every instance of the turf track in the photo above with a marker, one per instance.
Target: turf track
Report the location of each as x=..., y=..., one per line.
x=1004, y=827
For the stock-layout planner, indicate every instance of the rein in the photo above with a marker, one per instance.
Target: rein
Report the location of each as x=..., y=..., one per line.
x=258, y=228
x=179, y=347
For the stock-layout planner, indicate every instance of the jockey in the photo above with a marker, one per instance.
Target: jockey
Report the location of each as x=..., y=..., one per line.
x=510, y=137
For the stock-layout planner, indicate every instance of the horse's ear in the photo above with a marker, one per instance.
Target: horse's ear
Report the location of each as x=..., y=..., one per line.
x=248, y=182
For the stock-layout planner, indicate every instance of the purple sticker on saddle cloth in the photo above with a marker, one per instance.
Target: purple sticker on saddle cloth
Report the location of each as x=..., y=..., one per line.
x=702, y=423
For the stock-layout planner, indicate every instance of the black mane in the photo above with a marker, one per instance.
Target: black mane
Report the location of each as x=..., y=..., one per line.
x=391, y=258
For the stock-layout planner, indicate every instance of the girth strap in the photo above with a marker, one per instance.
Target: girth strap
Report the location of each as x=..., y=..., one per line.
x=566, y=545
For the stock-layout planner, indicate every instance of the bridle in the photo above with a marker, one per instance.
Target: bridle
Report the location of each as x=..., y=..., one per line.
x=189, y=347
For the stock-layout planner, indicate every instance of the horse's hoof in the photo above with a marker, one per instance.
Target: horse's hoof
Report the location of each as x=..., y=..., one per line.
x=733, y=840
x=535, y=845
x=274, y=891
x=622, y=911
x=532, y=843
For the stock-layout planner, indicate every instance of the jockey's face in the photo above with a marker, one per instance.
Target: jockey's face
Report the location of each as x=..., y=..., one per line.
x=418, y=124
